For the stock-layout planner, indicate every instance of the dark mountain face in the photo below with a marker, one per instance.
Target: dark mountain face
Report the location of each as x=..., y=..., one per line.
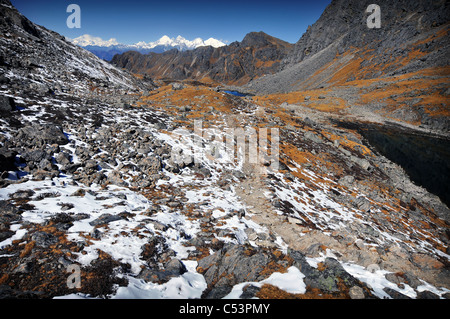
x=412, y=36
x=258, y=54
x=346, y=21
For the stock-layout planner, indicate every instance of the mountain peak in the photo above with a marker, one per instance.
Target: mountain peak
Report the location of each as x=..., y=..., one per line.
x=179, y=42
x=107, y=49
x=261, y=39
x=87, y=40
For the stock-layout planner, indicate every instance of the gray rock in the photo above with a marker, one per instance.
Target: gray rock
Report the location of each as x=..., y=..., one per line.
x=249, y=292
x=329, y=278
x=63, y=261
x=22, y=194
x=63, y=158
x=426, y=294
x=115, y=177
x=39, y=135
x=231, y=265
x=8, y=213
x=395, y=294
x=356, y=293
x=44, y=239
x=151, y=164
x=7, y=104
x=347, y=180
x=313, y=137
x=105, y=219
x=177, y=86
x=171, y=269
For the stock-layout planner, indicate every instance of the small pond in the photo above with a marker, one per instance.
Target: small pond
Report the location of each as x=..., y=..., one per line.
x=236, y=93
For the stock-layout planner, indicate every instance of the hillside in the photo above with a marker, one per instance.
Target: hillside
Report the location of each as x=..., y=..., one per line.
x=398, y=72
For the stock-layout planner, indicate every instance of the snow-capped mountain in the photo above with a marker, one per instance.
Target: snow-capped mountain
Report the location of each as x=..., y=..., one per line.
x=106, y=49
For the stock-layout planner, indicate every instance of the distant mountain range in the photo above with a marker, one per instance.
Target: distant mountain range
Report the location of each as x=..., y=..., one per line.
x=258, y=54
x=107, y=49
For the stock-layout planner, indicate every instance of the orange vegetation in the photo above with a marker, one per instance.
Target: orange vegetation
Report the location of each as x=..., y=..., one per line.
x=325, y=103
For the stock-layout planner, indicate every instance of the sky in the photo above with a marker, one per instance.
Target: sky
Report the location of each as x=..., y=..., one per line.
x=132, y=21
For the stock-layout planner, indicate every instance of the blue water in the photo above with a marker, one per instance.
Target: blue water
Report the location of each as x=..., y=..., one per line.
x=236, y=93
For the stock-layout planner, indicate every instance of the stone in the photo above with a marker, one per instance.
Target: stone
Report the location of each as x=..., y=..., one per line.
x=313, y=137
x=44, y=239
x=7, y=160
x=426, y=262
x=347, y=180
x=105, y=219
x=7, y=104
x=231, y=265
x=171, y=269
x=151, y=164
x=356, y=293
x=249, y=292
x=395, y=294
x=177, y=86
x=373, y=268
x=426, y=294
x=22, y=194
x=115, y=177
x=35, y=157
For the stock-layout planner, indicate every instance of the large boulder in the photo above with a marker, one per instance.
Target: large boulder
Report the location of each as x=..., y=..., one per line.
x=6, y=104
x=38, y=135
x=231, y=265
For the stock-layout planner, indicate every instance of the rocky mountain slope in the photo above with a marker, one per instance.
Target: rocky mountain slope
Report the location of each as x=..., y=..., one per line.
x=258, y=54
x=39, y=61
x=113, y=187
x=399, y=71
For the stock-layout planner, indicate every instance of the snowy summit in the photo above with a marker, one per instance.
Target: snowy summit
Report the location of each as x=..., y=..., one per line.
x=106, y=49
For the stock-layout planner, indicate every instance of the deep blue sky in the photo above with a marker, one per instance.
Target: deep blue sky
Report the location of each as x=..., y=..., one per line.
x=131, y=21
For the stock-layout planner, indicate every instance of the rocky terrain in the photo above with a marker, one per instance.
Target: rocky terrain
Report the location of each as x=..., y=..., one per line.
x=141, y=185
x=399, y=71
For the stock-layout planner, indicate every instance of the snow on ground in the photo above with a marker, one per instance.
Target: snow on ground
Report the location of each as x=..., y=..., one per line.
x=124, y=238
x=291, y=282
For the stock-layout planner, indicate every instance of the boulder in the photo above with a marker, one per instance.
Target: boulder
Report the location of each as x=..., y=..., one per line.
x=38, y=135
x=151, y=165
x=231, y=265
x=7, y=160
x=44, y=239
x=104, y=219
x=6, y=104
x=171, y=269
x=177, y=86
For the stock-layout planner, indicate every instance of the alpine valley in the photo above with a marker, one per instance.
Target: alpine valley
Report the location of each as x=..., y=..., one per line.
x=259, y=169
